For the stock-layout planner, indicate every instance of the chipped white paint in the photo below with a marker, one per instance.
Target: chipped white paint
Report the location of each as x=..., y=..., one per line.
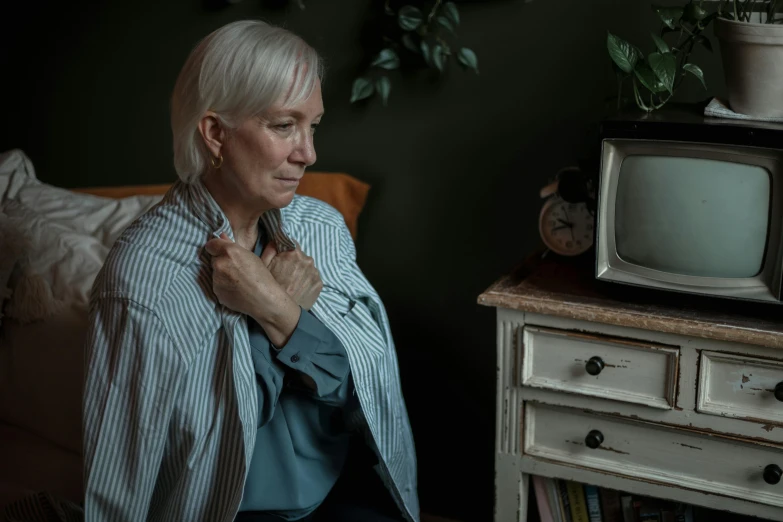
x=740, y=387
x=670, y=469
x=648, y=452
x=511, y=486
x=638, y=372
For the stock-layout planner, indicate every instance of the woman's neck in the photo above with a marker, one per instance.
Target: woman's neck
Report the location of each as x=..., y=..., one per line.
x=243, y=220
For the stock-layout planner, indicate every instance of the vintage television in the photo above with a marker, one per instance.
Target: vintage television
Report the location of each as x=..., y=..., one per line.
x=692, y=204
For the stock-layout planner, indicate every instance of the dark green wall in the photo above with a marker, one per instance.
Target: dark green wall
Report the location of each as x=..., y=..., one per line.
x=455, y=166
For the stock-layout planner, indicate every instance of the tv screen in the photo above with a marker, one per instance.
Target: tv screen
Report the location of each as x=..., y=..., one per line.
x=692, y=216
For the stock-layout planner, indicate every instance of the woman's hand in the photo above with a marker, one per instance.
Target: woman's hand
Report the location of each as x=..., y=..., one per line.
x=296, y=273
x=242, y=282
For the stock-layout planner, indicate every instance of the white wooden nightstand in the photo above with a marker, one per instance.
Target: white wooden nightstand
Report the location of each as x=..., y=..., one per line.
x=655, y=394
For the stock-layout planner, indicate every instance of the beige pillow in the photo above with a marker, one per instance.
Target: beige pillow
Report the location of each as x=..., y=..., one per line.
x=42, y=374
x=67, y=238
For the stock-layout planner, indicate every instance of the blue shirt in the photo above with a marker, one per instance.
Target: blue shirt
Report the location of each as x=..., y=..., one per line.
x=302, y=439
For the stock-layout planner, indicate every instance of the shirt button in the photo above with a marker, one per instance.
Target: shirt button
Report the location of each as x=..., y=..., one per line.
x=295, y=358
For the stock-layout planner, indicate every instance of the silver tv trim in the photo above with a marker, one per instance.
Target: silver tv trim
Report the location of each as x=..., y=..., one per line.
x=765, y=286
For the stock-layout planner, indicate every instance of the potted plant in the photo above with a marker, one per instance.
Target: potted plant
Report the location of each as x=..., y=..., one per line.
x=655, y=77
x=750, y=33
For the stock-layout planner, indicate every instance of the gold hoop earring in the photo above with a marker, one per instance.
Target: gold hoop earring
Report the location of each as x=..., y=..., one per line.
x=216, y=162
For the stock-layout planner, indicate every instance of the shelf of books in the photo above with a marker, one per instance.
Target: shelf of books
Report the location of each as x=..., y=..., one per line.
x=566, y=501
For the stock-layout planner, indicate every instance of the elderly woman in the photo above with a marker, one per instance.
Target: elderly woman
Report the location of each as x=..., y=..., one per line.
x=231, y=376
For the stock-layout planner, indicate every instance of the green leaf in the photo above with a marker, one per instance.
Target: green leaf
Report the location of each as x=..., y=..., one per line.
x=669, y=15
x=647, y=78
x=362, y=88
x=619, y=72
x=665, y=67
x=468, y=58
x=704, y=41
x=694, y=13
x=386, y=59
x=660, y=44
x=697, y=72
x=425, y=51
x=451, y=12
x=410, y=18
x=409, y=43
x=437, y=57
x=383, y=86
x=622, y=53
x=445, y=22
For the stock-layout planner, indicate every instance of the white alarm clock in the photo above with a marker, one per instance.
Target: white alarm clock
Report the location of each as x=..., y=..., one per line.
x=565, y=228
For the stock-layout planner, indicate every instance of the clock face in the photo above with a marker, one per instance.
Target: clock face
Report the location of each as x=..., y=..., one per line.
x=566, y=228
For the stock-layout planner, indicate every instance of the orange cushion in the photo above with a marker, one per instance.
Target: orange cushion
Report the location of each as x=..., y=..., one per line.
x=345, y=193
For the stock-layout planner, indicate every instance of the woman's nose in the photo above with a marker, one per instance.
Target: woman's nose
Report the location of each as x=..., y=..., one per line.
x=305, y=150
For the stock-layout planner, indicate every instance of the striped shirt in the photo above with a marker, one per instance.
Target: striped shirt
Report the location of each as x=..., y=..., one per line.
x=170, y=411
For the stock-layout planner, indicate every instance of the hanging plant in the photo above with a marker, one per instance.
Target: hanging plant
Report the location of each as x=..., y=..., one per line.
x=656, y=76
x=426, y=38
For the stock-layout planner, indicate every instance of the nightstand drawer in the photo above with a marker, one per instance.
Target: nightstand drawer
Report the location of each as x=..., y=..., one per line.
x=740, y=387
x=611, y=368
x=653, y=454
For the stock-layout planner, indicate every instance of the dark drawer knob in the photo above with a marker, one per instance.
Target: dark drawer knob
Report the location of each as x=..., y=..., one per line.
x=772, y=474
x=779, y=391
x=595, y=438
x=594, y=365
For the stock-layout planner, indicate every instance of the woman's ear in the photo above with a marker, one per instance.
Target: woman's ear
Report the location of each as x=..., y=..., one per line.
x=212, y=132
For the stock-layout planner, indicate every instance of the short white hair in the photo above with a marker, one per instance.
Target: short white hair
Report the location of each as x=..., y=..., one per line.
x=238, y=71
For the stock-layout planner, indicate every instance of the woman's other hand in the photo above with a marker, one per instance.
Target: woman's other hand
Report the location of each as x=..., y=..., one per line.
x=295, y=272
x=243, y=283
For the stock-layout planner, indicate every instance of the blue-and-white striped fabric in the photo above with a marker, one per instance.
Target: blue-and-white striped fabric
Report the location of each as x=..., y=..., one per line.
x=170, y=405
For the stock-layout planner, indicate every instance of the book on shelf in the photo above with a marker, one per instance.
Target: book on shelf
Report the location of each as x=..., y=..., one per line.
x=568, y=501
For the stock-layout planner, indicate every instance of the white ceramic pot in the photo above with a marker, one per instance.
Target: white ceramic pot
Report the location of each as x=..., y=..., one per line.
x=753, y=66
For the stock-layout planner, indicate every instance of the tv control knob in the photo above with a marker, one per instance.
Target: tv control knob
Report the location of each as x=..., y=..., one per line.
x=779, y=391
x=595, y=438
x=595, y=365
x=772, y=474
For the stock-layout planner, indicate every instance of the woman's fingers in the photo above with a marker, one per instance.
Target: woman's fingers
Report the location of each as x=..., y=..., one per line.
x=217, y=246
x=269, y=253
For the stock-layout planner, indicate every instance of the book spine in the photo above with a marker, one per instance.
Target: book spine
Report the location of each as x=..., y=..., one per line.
x=553, y=490
x=593, y=504
x=576, y=497
x=628, y=512
x=611, y=508
x=544, y=509
x=564, y=502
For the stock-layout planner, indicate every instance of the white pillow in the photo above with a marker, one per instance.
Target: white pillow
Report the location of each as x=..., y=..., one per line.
x=16, y=171
x=67, y=260
x=102, y=218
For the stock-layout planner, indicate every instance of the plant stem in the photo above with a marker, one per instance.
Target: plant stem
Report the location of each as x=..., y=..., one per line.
x=434, y=10
x=639, y=101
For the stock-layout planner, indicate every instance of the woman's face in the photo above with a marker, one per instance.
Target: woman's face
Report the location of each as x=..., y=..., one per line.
x=264, y=159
